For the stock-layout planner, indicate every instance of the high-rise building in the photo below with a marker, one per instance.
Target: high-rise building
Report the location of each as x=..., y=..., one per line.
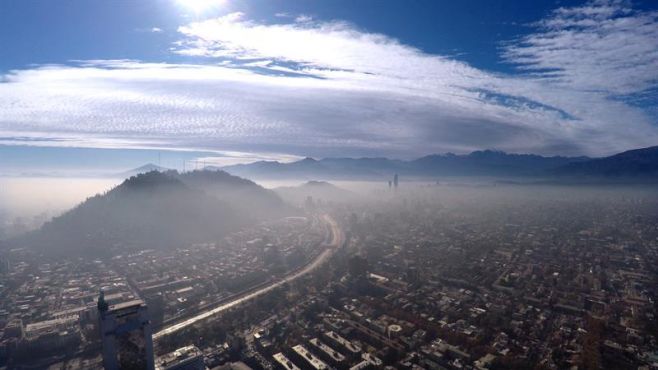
x=126, y=335
x=309, y=204
x=14, y=329
x=4, y=265
x=395, y=181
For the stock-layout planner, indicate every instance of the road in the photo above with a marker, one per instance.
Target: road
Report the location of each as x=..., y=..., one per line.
x=337, y=240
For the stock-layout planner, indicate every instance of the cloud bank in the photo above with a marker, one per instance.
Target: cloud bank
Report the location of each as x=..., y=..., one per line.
x=300, y=86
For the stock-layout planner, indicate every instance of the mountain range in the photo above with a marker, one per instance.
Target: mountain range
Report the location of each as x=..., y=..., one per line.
x=638, y=164
x=634, y=165
x=163, y=208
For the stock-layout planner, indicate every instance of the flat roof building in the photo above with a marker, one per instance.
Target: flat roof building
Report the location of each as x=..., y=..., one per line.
x=330, y=353
x=185, y=358
x=314, y=362
x=284, y=362
x=351, y=348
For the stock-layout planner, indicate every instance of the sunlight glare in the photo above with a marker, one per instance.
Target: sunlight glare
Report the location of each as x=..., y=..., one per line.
x=201, y=6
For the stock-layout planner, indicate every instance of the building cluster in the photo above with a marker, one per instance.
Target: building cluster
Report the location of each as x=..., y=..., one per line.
x=564, y=283
x=48, y=305
x=422, y=282
x=189, y=279
x=435, y=284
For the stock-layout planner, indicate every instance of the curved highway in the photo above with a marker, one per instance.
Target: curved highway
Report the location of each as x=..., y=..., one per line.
x=337, y=240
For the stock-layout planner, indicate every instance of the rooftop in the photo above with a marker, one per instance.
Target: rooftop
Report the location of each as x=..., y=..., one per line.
x=135, y=303
x=177, y=357
x=285, y=361
x=310, y=358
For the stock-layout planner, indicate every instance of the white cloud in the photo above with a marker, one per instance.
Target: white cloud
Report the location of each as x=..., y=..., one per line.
x=328, y=88
x=603, y=46
x=303, y=18
x=232, y=158
x=151, y=30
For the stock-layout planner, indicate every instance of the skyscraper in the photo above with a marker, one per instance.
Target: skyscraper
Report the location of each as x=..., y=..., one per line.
x=395, y=181
x=126, y=334
x=4, y=265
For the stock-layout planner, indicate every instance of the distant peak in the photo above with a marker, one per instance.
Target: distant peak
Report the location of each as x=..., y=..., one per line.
x=142, y=169
x=150, y=166
x=317, y=183
x=214, y=173
x=150, y=179
x=487, y=152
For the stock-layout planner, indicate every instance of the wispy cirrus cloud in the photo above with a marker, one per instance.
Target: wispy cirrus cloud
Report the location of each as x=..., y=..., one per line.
x=329, y=88
x=602, y=46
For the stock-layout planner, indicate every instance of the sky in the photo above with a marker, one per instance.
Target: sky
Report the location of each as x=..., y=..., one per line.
x=103, y=85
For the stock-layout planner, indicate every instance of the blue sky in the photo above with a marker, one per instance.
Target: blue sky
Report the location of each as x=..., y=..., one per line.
x=58, y=31
x=236, y=80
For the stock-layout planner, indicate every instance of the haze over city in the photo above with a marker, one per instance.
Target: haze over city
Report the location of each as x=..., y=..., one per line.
x=252, y=184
